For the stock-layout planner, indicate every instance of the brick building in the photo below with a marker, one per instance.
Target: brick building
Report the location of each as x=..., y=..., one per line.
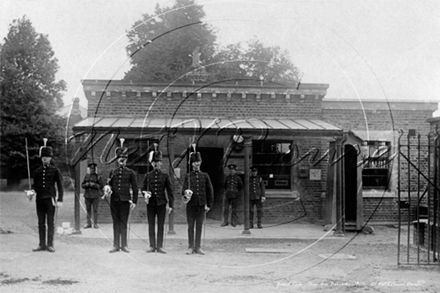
x=291, y=133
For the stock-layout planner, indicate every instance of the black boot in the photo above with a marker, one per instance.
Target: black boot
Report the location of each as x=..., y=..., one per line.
x=251, y=225
x=259, y=225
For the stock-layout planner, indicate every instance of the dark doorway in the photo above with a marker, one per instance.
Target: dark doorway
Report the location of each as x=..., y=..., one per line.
x=350, y=191
x=212, y=164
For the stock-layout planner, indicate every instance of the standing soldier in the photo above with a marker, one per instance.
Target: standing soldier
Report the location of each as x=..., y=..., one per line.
x=45, y=179
x=256, y=196
x=158, y=202
x=198, y=195
x=121, y=200
x=233, y=187
x=93, y=185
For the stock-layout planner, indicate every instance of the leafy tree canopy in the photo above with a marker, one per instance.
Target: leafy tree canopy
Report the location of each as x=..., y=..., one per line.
x=174, y=33
x=161, y=48
x=30, y=95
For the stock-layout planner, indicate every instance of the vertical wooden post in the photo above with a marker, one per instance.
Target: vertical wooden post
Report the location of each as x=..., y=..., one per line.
x=338, y=232
x=77, y=166
x=247, y=148
x=171, y=173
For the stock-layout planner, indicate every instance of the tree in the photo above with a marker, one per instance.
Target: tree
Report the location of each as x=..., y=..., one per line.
x=30, y=97
x=255, y=61
x=161, y=47
x=174, y=34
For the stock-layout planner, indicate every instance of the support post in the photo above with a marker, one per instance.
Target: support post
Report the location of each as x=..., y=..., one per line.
x=171, y=173
x=77, y=166
x=247, y=148
x=338, y=232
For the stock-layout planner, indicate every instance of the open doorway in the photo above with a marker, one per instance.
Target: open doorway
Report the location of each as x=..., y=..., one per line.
x=212, y=164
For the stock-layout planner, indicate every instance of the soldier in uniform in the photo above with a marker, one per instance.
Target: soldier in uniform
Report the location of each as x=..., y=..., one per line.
x=45, y=179
x=92, y=184
x=158, y=201
x=121, y=200
x=232, y=192
x=256, y=197
x=198, y=194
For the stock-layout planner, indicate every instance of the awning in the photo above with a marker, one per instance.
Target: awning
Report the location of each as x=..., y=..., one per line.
x=217, y=125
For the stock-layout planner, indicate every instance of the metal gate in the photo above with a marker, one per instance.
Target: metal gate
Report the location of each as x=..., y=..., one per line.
x=418, y=199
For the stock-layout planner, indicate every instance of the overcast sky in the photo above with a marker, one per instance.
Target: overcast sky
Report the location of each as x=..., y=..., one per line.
x=369, y=49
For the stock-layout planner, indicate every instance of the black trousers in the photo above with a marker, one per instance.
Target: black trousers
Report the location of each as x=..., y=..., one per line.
x=259, y=205
x=45, y=212
x=233, y=202
x=195, y=216
x=92, y=205
x=152, y=212
x=120, y=211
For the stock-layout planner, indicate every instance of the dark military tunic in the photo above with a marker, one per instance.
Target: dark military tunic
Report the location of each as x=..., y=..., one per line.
x=94, y=187
x=201, y=186
x=256, y=192
x=233, y=191
x=203, y=194
x=233, y=186
x=157, y=182
x=45, y=179
x=256, y=187
x=121, y=180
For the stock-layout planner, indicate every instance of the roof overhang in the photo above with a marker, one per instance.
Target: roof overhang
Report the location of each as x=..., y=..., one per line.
x=218, y=126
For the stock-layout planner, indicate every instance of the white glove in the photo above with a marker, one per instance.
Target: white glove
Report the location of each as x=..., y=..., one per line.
x=169, y=209
x=187, y=196
x=132, y=205
x=60, y=204
x=263, y=199
x=107, y=191
x=147, y=195
x=30, y=194
x=206, y=209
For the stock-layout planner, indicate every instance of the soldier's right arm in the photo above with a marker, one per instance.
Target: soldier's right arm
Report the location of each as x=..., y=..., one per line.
x=85, y=181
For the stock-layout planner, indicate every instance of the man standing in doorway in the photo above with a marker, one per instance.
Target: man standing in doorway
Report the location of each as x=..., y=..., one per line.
x=45, y=179
x=198, y=194
x=92, y=185
x=159, y=202
x=121, y=200
x=233, y=189
x=256, y=197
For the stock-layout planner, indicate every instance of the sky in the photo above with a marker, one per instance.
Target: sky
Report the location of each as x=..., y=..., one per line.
x=364, y=49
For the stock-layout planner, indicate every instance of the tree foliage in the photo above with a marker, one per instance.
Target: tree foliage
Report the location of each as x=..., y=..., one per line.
x=30, y=97
x=161, y=48
x=255, y=61
x=174, y=33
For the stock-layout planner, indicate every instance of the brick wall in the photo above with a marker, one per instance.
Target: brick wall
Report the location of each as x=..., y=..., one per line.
x=121, y=99
x=383, y=119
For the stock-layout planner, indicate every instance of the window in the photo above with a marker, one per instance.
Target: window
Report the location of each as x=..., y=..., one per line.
x=273, y=159
x=375, y=173
x=138, y=156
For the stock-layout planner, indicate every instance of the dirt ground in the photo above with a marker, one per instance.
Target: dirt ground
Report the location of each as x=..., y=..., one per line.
x=368, y=263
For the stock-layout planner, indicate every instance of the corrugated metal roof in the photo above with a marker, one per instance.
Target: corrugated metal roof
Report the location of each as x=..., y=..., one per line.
x=224, y=124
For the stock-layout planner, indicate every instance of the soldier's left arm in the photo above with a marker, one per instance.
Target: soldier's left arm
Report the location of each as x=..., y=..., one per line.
x=263, y=189
x=239, y=183
x=209, y=192
x=134, y=186
x=169, y=188
x=59, y=182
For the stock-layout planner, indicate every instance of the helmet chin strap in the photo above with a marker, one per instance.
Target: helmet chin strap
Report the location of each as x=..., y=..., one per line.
x=122, y=162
